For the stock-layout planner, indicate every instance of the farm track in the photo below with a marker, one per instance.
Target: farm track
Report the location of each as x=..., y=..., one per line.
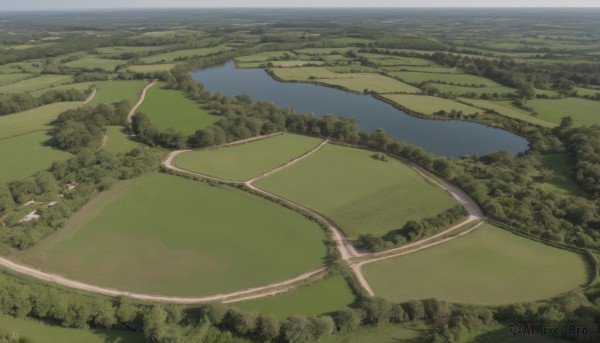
x=140, y=100
x=91, y=96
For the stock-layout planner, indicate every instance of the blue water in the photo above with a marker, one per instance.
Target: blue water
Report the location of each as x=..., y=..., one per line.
x=448, y=138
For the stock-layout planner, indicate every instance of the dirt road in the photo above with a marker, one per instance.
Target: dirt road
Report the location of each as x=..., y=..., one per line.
x=91, y=96
x=140, y=100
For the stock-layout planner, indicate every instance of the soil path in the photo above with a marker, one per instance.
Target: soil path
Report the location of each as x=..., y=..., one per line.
x=140, y=100
x=91, y=96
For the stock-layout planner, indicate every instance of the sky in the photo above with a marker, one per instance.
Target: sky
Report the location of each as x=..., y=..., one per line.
x=91, y=4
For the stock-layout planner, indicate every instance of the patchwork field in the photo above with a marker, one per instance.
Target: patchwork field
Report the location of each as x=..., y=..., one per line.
x=307, y=73
x=583, y=111
x=505, y=108
x=119, y=141
x=26, y=155
x=392, y=333
x=429, y=105
x=171, y=108
x=373, y=83
x=150, y=68
x=361, y=194
x=38, y=332
x=114, y=91
x=93, y=62
x=488, y=266
x=461, y=90
x=35, y=83
x=173, y=55
x=184, y=230
x=244, y=161
x=36, y=119
x=323, y=296
x=6, y=79
x=459, y=79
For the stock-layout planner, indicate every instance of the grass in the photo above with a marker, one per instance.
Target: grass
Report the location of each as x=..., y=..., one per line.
x=36, y=119
x=583, y=111
x=35, y=83
x=323, y=296
x=118, y=140
x=294, y=63
x=587, y=91
x=265, y=56
x=425, y=69
x=507, y=109
x=500, y=333
x=93, y=62
x=488, y=266
x=361, y=194
x=26, y=155
x=40, y=332
x=173, y=236
x=307, y=73
x=114, y=50
x=244, y=161
x=429, y=105
x=459, y=79
x=78, y=86
x=171, y=108
x=560, y=179
x=461, y=90
x=373, y=83
x=173, y=55
x=6, y=79
x=391, y=333
x=22, y=67
x=150, y=68
x=114, y=91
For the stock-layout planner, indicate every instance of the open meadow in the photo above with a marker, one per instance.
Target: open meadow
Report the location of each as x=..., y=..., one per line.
x=173, y=236
x=488, y=266
x=37, y=119
x=583, y=111
x=110, y=92
x=361, y=194
x=179, y=54
x=119, y=141
x=429, y=105
x=244, y=161
x=35, y=83
x=505, y=108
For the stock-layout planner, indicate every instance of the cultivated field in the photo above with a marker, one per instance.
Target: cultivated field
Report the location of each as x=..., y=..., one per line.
x=173, y=236
x=119, y=141
x=488, y=266
x=244, y=161
x=429, y=105
x=583, y=111
x=361, y=194
x=323, y=296
x=171, y=108
x=114, y=91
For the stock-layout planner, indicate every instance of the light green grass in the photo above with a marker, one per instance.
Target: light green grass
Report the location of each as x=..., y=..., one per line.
x=391, y=333
x=244, y=161
x=587, y=91
x=373, y=83
x=323, y=296
x=461, y=90
x=488, y=266
x=265, y=56
x=26, y=155
x=113, y=50
x=361, y=194
x=390, y=60
x=150, y=68
x=294, y=63
x=19, y=67
x=33, y=84
x=93, y=62
x=38, y=332
x=351, y=68
x=78, y=86
x=171, y=108
x=164, y=234
x=459, y=79
x=6, y=79
x=429, y=105
x=119, y=141
x=505, y=108
x=421, y=69
x=306, y=73
x=324, y=51
x=36, y=119
x=560, y=179
x=114, y=91
x=583, y=111
x=172, y=56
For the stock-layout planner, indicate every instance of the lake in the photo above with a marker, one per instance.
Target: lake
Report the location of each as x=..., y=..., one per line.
x=443, y=137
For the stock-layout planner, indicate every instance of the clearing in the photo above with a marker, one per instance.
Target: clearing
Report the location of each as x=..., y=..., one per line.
x=110, y=92
x=119, y=141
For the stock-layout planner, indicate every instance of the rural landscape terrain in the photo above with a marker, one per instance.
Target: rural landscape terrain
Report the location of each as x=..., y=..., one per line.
x=245, y=175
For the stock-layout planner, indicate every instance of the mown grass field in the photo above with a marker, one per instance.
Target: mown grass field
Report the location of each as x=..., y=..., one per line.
x=323, y=296
x=6, y=79
x=587, y=91
x=461, y=90
x=113, y=50
x=93, y=62
x=26, y=155
x=173, y=55
x=429, y=105
x=83, y=86
x=373, y=83
x=307, y=73
x=488, y=266
x=114, y=91
x=186, y=232
x=119, y=141
x=244, y=161
x=38, y=332
x=505, y=108
x=149, y=68
x=35, y=83
x=459, y=79
x=36, y=119
x=171, y=108
x=583, y=111
x=265, y=56
x=361, y=194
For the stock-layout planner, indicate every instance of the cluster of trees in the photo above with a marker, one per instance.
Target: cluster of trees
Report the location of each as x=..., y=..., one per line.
x=583, y=144
x=24, y=101
x=411, y=231
x=147, y=133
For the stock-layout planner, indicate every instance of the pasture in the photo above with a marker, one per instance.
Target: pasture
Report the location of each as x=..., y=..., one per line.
x=92, y=62
x=488, y=266
x=26, y=155
x=462, y=90
x=114, y=91
x=186, y=232
x=407, y=332
x=35, y=83
x=457, y=79
x=168, y=108
x=373, y=83
x=322, y=296
x=119, y=141
x=174, y=55
x=559, y=179
x=39, y=332
x=36, y=119
x=425, y=104
x=507, y=109
x=265, y=56
x=583, y=111
x=244, y=161
x=150, y=68
x=306, y=73
x=6, y=79
x=83, y=86
x=361, y=194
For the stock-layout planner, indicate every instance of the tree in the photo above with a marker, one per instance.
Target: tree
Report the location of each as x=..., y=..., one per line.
x=46, y=182
x=525, y=92
x=154, y=320
x=297, y=329
x=348, y=320
x=415, y=309
x=322, y=326
x=377, y=310
x=267, y=327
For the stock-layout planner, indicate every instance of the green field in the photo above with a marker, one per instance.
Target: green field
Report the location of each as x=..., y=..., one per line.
x=36, y=119
x=391, y=333
x=171, y=108
x=186, y=232
x=35, y=83
x=26, y=155
x=583, y=111
x=114, y=50
x=500, y=333
x=93, y=62
x=422, y=69
x=560, y=178
x=307, y=73
x=488, y=266
x=38, y=332
x=119, y=141
x=323, y=296
x=114, y=91
x=244, y=161
x=361, y=194
x=587, y=91
x=505, y=108
x=78, y=86
x=150, y=68
x=22, y=67
x=172, y=56
x=265, y=56
x=458, y=79
x=461, y=90
x=425, y=104
x=294, y=63
x=373, y=83
x=6, y=79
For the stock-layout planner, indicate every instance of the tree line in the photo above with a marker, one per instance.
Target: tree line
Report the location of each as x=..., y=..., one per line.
x=24, y=101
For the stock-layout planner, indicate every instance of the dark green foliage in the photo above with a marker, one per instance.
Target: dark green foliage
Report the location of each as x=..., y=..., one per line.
x=22, y=102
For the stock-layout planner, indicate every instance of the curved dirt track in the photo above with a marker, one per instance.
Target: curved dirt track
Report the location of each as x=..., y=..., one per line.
x=91, y=96
x=140, y=100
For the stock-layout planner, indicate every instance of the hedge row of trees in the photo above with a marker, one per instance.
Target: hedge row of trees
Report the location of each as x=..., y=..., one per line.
x=583, y=144
x=24, y=101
